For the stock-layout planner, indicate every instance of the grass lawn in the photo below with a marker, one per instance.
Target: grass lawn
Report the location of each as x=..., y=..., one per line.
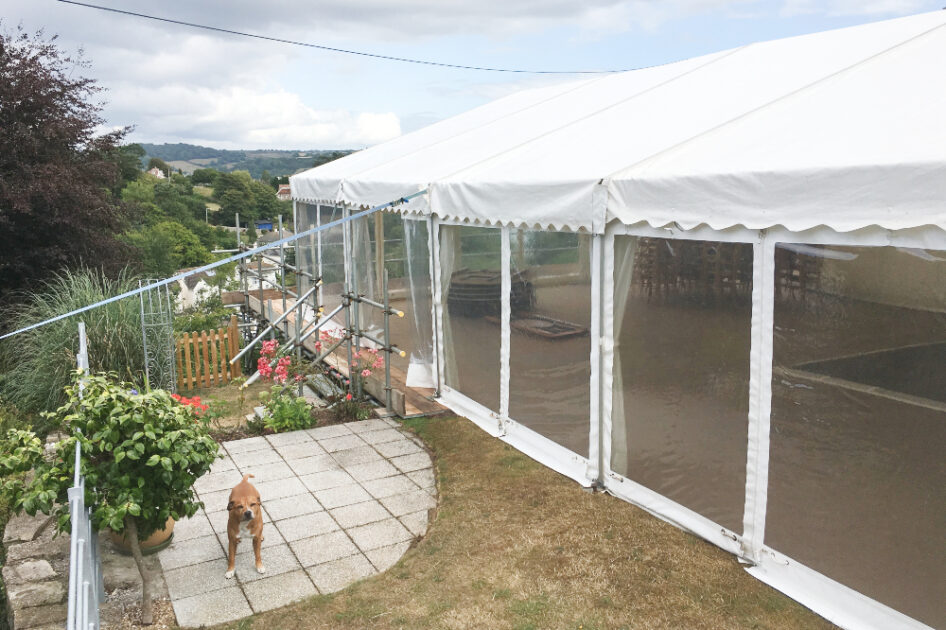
x=515, y=545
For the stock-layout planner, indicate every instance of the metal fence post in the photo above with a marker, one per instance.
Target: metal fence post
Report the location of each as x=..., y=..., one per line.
x=86, y=585
x=387, y=341
x=144, y=338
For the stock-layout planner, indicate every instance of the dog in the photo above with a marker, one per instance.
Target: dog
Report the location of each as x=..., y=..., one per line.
x=246, y=519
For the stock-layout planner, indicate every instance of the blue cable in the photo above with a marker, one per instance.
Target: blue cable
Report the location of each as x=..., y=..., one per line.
x=218, y=263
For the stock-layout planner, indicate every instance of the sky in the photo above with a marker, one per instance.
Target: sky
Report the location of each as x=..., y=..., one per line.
x=175, y=83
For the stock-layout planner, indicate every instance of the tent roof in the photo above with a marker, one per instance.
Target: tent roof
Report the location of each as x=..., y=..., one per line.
x=844, y=128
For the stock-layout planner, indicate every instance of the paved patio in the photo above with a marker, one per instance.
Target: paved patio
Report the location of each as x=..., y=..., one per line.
x=340, y=503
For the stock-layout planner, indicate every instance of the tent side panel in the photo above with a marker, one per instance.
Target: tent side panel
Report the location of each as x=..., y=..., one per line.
x=857, y=475
x=471, y=289
x=681, y=372
x=550, y=335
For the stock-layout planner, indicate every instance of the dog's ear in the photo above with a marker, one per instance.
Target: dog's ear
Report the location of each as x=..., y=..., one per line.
x=229, y=506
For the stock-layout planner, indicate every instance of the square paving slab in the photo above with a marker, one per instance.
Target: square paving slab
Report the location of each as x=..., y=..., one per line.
x=340, y=503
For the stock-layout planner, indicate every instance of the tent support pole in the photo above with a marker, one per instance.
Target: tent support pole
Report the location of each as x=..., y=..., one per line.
x=760, y=397
x=598, y=286
x=506, y=253
x=436, y=305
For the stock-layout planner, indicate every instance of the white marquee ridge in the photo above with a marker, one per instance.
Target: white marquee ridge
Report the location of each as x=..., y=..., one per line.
x=823, y=129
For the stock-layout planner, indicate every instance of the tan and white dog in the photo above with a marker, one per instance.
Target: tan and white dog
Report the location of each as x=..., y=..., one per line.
x=246, y=519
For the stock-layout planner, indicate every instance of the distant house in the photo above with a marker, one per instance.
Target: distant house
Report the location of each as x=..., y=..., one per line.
x=157, y=173
x=283, y=193
x=263, y=225
x=193, y=290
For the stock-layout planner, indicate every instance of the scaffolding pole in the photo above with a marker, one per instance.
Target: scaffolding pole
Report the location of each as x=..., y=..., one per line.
x=352, y=296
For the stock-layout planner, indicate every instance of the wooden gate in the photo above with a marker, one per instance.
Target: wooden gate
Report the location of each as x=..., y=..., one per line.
x=203, y=359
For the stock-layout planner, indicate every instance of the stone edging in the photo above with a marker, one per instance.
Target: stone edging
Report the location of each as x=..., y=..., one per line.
x=36, y=573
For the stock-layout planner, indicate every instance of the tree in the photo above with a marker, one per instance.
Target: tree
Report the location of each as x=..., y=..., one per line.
x=128, y=159
x=235, y=202
x=159, y=164
x=167, y=247
x=267, y=206
x=234, y=193
x=204, y=176
x=250, y=236
x=56, y=173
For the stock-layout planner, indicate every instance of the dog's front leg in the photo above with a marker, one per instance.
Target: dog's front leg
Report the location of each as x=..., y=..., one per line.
x=257, y=545
x=231, y=557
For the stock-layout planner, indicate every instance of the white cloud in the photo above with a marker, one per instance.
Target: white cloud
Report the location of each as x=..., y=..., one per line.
x=618, y=17
x=177, y=83
x=837, y=8
x=368, y=21
x=242, y=117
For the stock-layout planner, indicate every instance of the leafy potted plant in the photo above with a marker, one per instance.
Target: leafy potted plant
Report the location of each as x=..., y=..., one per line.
x=141, y=454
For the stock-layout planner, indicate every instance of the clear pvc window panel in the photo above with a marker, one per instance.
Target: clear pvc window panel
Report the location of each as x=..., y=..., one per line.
x=367, y=249
x=681, y=375
x=857, y=474
x=550, y=343
x=471, y=276
x=409, y=268
x=332, y=250
x=306, y=248
x=379, y=239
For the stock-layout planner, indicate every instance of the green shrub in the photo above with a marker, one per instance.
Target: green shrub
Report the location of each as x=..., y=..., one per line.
x=286, y=412
x=209, y=314
x=141, y=454
x=13, y=418
x=347, y=409
x=38, y=364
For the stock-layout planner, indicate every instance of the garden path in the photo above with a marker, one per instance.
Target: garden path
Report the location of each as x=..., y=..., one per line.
x=340, y=503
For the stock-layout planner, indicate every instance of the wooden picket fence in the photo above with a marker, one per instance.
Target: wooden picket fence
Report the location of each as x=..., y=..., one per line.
x=203, y=359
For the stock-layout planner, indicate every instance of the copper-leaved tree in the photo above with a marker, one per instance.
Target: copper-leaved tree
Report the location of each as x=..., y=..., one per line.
x=58, y=174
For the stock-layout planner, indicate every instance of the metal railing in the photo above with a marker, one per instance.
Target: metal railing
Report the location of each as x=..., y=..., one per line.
x=86, y=587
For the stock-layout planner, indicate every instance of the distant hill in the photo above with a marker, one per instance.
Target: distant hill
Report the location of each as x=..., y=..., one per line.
x=190, y=157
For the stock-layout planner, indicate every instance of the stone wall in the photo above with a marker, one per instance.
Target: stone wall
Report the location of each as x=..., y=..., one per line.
x=36, y=575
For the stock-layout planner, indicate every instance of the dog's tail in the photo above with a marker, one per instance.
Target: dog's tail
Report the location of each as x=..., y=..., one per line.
x=247, y=476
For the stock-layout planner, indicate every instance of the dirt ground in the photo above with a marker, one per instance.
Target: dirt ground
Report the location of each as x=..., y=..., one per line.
x=227, y=402
x=515, y=545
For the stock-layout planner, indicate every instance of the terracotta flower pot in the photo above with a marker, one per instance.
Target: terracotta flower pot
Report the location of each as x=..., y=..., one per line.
x=153, y=544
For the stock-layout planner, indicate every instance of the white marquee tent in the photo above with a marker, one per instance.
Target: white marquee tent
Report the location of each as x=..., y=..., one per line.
x=715, y=288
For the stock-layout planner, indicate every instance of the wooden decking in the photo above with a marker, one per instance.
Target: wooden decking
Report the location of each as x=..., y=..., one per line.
x=406, y=401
